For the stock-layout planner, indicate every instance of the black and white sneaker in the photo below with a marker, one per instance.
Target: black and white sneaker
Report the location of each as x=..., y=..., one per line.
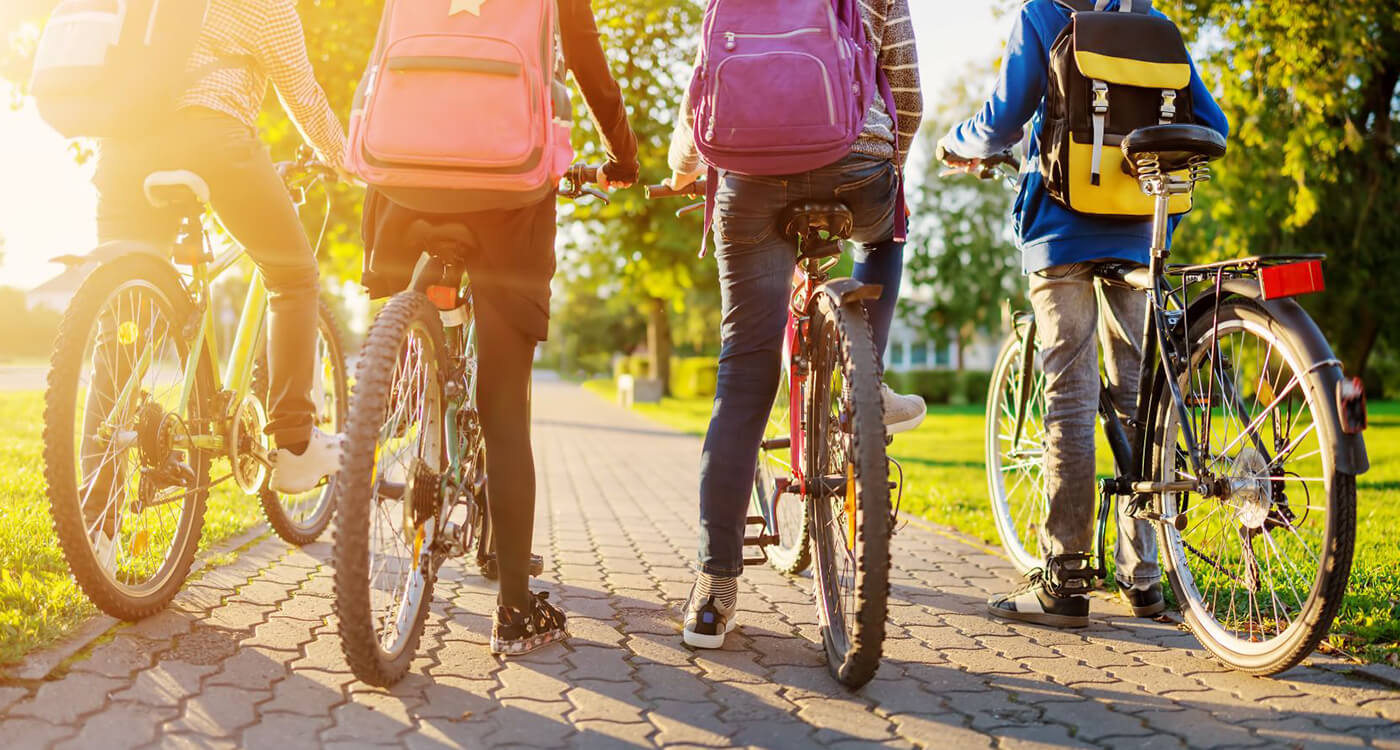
x=515, y=632
x=707, y=618
x=1147, y=602
x=1037, y=601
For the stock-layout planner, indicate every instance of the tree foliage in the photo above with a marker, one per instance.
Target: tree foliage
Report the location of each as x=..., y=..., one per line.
x=961, y=260
x=1311, y=93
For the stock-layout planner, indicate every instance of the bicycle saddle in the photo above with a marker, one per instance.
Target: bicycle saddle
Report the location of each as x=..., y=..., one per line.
x=176, y=187
x=1174, y=145
x=439, y=238
x=804, y=221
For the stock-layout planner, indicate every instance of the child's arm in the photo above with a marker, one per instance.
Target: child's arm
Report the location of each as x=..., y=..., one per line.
x=583, y=54
x=1019, y=90
x=1203, y=104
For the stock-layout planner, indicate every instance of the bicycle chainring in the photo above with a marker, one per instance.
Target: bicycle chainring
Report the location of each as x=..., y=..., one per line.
x=248, y=446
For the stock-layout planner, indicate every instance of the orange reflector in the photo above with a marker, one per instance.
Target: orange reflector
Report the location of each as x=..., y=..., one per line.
x=444, y=297
x=850, y=507
x=1291, y=279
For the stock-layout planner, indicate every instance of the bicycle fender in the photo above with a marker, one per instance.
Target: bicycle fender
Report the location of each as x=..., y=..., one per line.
x=1302, y=331
x=841, y=291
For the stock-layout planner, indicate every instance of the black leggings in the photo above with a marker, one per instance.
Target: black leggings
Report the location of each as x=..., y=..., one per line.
x=506, y=355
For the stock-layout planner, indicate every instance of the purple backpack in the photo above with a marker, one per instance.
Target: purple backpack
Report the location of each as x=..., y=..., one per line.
x=782, y=86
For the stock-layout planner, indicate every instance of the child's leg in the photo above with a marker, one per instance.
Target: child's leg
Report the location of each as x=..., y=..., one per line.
x=1122, y=312
x=880, y=263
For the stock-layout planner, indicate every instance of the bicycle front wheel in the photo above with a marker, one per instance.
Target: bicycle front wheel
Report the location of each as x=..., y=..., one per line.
x=127, y=489
x=850, y=495
x=1015, y=448
x=390, y=490
x=300, y=518
x=1260, y=567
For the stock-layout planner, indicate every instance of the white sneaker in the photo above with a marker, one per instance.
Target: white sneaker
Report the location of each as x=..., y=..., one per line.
x=902, y=413
x=293, y=474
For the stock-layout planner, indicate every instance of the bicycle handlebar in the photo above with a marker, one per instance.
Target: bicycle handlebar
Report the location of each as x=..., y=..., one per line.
x=693, y=190
x=575, y=182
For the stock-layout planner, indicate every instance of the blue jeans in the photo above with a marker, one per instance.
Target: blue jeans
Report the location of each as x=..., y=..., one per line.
x=755, y=272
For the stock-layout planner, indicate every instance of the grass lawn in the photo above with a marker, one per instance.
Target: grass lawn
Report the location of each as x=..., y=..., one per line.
x=39, y=602
x=945, y=482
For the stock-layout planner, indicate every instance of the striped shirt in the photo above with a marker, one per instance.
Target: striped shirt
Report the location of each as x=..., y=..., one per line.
x=888, y=24
x=243, y=45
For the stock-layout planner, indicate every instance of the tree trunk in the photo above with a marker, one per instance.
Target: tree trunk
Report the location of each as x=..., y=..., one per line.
x=659, y=342
x=958, y=342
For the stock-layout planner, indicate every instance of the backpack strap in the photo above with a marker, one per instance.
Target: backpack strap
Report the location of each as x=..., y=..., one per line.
x=1124, y=6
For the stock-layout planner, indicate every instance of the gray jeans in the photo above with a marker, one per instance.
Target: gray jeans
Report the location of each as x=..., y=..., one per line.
x=1070, y=306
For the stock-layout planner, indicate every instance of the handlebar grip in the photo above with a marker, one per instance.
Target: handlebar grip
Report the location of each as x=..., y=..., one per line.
x=693, y=190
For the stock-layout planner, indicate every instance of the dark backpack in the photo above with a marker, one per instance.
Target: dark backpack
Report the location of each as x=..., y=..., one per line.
x=1110, y=73
x=108, y=69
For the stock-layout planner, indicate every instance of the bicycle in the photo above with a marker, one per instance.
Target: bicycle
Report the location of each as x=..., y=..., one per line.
x=413, y=479
x=1249, y=436
x=821, y=485
x=136, y=413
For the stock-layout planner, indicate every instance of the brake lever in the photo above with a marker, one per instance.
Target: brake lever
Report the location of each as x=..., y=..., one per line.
x=596, y=193
x=692, y=208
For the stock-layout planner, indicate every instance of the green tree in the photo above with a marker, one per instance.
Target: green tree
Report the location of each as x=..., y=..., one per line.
x=634, y=247
x=962, y=259
x=1311, y=93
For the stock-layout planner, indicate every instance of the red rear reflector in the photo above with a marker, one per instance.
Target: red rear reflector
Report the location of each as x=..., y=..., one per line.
x=1304, y=277
x=444, y=297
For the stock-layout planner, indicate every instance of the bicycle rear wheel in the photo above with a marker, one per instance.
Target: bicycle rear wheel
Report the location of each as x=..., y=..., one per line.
x=1015, y=449
x=126, y=489
x=389, y=480
x=300, y=518
x=850, y=497
x=786, y=513
x=1261, y=567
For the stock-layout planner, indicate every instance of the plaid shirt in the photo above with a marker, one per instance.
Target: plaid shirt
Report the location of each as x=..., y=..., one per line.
x=243, y=44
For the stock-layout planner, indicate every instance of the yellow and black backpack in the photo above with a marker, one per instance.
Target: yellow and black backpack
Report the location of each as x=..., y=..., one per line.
x=1111, y=72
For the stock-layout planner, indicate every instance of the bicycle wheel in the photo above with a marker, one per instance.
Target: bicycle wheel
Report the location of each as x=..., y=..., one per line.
x=126, y=491
x=787, y=513
x=300, y=519
x=1261, y=567
x=851, y=495
x=1015, y=445
x=389, y=479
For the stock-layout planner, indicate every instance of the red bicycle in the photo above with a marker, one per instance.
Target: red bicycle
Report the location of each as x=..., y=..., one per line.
x=821, y=487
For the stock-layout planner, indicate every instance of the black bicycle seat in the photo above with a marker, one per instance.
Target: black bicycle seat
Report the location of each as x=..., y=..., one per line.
x=446, y=237
x=1174, y=145
x=806, y=221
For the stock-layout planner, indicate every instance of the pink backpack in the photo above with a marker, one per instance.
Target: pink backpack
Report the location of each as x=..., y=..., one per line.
x=460, y=95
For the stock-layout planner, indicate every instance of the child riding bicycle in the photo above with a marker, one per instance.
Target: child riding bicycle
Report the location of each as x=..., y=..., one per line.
x=1059, y=248
x=755, y=268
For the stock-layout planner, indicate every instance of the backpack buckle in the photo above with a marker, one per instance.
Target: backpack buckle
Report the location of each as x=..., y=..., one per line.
x=1168, y=107
x=1100, y=103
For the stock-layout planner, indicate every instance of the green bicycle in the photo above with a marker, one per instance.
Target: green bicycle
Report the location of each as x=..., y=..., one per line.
x=136, y=414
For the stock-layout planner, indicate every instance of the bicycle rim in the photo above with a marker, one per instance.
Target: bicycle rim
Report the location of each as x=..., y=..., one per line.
x=850, y=528
x=786, y=513
x=1015, y=464
x=1260, y=572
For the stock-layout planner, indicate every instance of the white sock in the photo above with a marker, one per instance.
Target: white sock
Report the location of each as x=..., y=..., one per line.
x=725, y=589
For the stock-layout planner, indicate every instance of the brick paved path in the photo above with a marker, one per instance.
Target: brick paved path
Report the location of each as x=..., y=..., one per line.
x=248, y=656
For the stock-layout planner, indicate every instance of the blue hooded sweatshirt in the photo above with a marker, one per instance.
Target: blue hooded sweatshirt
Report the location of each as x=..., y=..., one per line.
x=1048, y=233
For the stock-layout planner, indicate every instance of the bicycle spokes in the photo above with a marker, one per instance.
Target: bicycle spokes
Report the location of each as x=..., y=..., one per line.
x=1254, y=545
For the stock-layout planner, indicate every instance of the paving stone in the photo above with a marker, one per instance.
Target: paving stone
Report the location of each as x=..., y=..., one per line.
x=845, y=717
x=610, y=735
x=529, y=723
x=308, y=692
x=119, y=657
x=687, y=723
x=281, y=634
x=276, y=731
x=218, y=711
x=64, y=701
x=161, y=626
x=117, y=727
x=372, y=715
x=165, y=684
x=10, y=696
x=1039, y=737
x=250, y=669
x=26, y=733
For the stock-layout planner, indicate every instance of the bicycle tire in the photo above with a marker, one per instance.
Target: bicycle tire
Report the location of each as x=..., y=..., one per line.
x=408, y=314
x=1018, y=508
x=78, y=331
x=1309, y=625
x=303, y=531
x=793, y=552
x=852, y=623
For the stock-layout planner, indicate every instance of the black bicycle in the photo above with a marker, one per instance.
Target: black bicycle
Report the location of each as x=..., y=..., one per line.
x=1249, y=434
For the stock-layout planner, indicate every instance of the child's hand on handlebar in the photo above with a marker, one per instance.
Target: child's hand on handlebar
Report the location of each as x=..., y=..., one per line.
x=609, y=184
x=682, y=180
x=955, y=164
